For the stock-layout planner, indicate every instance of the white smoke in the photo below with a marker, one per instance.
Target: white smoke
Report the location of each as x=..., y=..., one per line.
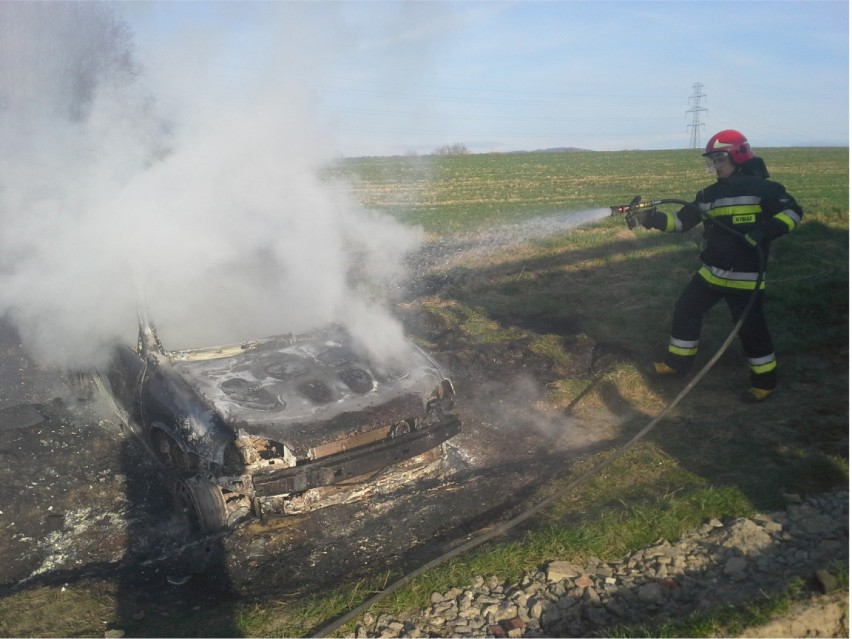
x=173, y=186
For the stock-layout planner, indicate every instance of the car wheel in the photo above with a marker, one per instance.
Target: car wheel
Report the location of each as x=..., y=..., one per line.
x=201, y=504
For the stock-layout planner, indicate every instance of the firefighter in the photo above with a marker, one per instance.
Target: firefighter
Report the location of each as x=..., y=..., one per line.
x=745, y=200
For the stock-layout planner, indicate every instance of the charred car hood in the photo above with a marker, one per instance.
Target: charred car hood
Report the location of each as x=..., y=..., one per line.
x=284, y=387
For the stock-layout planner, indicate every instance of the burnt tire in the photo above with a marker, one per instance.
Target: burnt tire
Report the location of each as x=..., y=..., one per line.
x=201, y=504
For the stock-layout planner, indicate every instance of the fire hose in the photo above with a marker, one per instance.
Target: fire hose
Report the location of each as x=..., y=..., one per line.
x=635, y=205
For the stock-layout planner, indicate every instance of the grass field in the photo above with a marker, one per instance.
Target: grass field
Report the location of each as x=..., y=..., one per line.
x=610, y=287
x=452, y=193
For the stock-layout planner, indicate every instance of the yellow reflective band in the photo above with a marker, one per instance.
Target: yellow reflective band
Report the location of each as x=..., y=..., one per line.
x=715, y=280
x=683, y=352
x=763, y=364
x=671, y=222
x=786, y=220
x=765, y=368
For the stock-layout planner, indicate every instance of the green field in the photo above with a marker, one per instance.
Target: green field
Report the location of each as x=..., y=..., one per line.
x=452, y=193
x=542, y=303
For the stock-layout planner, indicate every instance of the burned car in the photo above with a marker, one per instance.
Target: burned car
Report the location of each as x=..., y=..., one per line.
x=250, y=429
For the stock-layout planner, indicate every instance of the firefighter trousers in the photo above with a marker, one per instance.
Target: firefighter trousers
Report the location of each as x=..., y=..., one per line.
x=694, y=302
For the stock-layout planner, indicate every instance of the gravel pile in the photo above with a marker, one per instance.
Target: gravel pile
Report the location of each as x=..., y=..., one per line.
x=721, y=563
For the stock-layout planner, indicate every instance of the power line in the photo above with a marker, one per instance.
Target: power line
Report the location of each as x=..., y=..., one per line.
x=696, y=110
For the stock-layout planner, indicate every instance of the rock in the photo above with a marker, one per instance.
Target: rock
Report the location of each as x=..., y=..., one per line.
x=591, y=595
x=559, y=570
x=584, y=581
x=747, y=537
x=827, y=582
x=604, y=571
x=773, y=527
x=716, y=565
x=513, y=623
x=494, y=584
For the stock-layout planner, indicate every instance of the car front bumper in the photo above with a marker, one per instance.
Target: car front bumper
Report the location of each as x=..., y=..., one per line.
x=352, y=463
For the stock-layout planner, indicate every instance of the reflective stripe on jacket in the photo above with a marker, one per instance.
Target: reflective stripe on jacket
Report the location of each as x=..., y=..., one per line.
x=740, y=203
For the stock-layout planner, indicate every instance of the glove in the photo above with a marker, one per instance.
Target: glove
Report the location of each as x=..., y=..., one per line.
x=756, y=237
x=640, y=216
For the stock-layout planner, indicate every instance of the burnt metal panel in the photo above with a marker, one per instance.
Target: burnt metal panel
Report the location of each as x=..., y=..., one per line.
x=152, y=392
x=310, y=378
x=343, y=466
x=301, y=437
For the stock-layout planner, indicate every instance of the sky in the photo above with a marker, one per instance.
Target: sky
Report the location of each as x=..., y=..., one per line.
x=389, y=78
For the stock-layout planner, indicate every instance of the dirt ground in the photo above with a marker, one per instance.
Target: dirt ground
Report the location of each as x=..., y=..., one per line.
x=82, y=501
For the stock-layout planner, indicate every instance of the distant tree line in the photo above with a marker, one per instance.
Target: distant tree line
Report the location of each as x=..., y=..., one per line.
x=451, y=149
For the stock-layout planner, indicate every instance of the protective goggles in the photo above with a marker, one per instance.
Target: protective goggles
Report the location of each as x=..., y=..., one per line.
x=712, y=159
x=716, y=158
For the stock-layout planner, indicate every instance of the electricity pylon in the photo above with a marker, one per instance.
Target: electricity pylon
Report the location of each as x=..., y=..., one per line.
x=696, y=110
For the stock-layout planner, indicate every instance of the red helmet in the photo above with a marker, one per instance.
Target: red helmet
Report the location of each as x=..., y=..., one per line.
x=731, y=142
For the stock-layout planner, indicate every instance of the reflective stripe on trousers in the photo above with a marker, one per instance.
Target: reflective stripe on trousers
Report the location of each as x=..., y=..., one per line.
x=762, y=365
x=682, y=347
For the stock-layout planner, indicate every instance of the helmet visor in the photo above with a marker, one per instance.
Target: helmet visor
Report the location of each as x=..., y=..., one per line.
x=713, y=159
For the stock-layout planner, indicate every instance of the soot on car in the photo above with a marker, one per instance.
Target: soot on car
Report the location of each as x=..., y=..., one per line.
x=253, y=429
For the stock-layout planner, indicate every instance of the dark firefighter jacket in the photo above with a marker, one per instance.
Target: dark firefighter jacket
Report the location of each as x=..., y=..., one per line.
x=750, y=204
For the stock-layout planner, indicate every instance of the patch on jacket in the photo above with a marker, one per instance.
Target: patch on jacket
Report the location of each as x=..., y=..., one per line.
x=743, y=219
